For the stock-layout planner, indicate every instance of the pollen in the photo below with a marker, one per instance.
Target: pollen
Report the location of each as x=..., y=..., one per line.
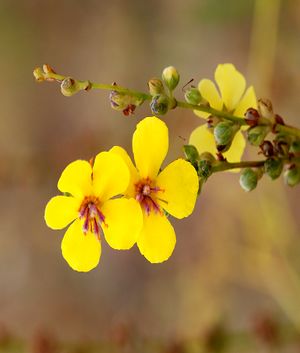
x=91, y=215
x=146, y=195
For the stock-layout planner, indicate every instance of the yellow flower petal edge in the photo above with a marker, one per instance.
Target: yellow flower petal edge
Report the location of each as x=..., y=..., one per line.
x=150, y=145
x=210, y=93
x=157, y=239
x=61, y=211
x=123, y=222
x=133, y=172
x=179, y=184
x=231, y=83
x=110, y=175
x=82, y=252
x=76, y=179
x=203, y=139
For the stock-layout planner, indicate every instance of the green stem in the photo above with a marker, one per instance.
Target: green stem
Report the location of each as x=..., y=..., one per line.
x=221, y=166
x=49, y=75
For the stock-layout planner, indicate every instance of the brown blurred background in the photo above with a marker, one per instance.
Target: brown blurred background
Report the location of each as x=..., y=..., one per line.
x=236, y=257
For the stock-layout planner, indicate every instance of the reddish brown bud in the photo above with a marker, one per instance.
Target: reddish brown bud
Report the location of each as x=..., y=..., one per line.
x=267, y=148
x=252, y=116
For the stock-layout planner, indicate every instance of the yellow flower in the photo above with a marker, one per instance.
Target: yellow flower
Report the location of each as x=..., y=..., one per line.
x=232, y=98
x=91, y=208
x=173, y=189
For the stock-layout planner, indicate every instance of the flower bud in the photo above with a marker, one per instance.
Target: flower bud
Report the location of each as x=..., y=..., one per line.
x=295, y=147
x=191, y=153
x=265, y=108
x=38, y=74
x=159, y=104
x=193, y=96
x=257, y=134
x=224, y=133
x=292, y=175
x=273, y=167
x=69, y=87
x=267, y=148
x=248, y=179
x=252, y=116
x=170, y=77
x=118, y=101
x=156, y=86
x=205, y=165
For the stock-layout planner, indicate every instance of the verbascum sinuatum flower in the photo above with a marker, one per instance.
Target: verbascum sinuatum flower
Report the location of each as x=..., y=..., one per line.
x=230, y=97
x=91, y=206
x=172, y=190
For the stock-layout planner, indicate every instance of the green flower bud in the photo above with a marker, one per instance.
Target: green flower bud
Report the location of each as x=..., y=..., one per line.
x=265, y=108
x=248, y=179
x=38, y=74
x=224, y=133
x=156, y=86
x=170, y=77
x=193, y=96
x=205, y=165
x=69, y=87
x=292, y=175
x=295, y=147
x=191, y=153
x=159, y=104
x=118, y=101
x=257, y=134
x=273, y=167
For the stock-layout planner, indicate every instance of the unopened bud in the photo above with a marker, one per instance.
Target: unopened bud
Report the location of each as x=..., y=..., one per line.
x=295, y=147
x=170, y=77
x=156, y=86
x=224, y=133
x=265, y=108
x=193, y=96
x=38, y=74
x=118, y=101
x=267, y=148
x=159, y=104
x=252, y=116
x=191, y=153
x=292, y=175
x=257, y=134
x=69, y=87
x=273, y=167
x=248, y=179
x=205, y=165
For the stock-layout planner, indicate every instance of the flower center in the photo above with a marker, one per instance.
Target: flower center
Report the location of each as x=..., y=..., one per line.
x=146, y=195
x=91, y=215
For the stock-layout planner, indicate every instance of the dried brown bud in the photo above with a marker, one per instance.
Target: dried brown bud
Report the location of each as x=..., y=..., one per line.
x=267, y=148
x=252, y=116
x=265, y=108
x=266, y=329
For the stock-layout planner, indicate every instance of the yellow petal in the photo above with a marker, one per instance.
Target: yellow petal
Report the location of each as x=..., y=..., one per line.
x=60, y=211
x=231, y=83
x=110, y=175
x=82, y=252
x=150, y=145
x=76, y=179
x=210, y=93
x=203, y=139
x=180, y=183
x=157, y=239
x=248, y=101
x=134, y=177
x=234, y=154
x=123, y=222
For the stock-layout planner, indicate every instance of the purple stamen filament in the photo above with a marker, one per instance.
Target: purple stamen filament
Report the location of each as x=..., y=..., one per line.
x=91, y=215
x=146, y=196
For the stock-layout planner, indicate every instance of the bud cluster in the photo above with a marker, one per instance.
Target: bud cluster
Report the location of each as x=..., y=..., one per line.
x=161, y=91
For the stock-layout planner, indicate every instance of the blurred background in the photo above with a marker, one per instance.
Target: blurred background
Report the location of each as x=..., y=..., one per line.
x=235, y=273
